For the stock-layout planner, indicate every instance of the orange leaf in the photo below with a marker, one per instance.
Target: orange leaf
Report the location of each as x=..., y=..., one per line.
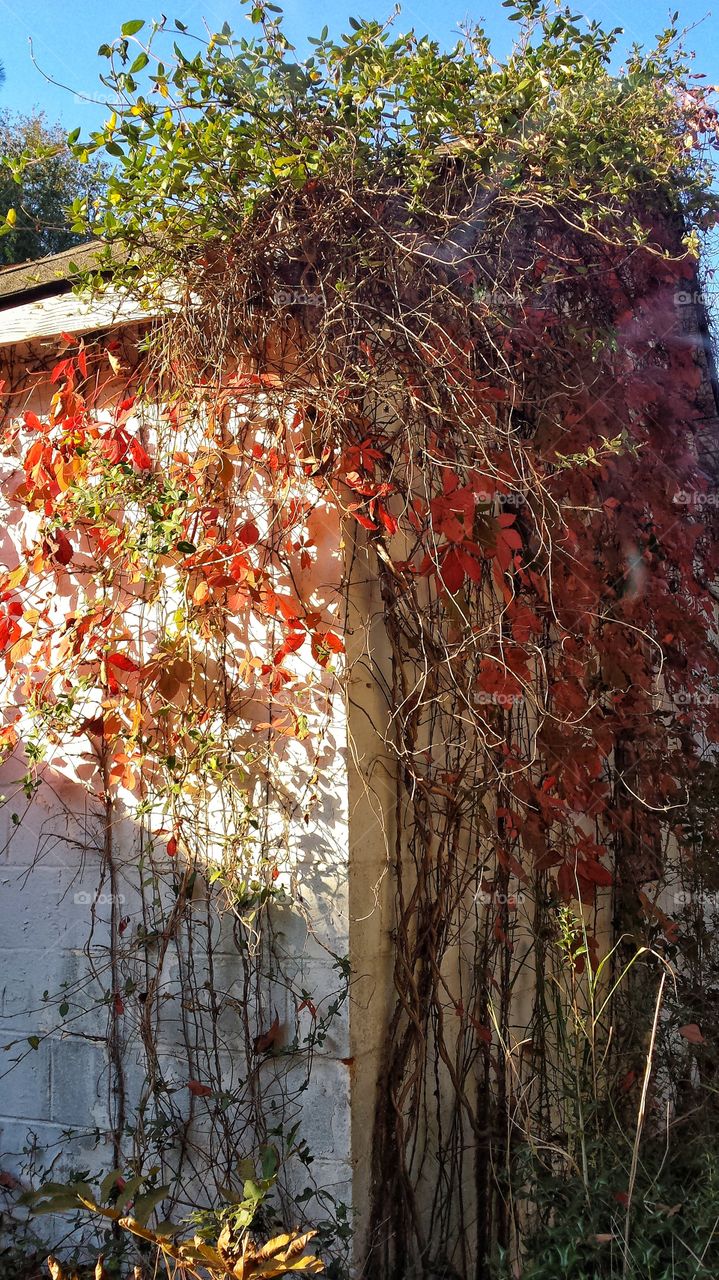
x=21, y=649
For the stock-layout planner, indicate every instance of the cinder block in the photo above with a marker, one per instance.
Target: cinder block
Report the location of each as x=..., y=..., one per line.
x=67, y=978
x=49, y=908
x=80, y=1083
x=25, y=1087
x=326, y=1095
x=25, y=1146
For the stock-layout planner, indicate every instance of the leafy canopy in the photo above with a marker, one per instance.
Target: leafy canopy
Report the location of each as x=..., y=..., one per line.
x=207, y=130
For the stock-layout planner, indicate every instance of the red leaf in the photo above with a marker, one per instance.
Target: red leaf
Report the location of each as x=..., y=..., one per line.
x=292, y=643
x=325, y=644
x=63, y=548
x=263, y=1043
x=122, y=662
x=96, y=725
x=199, y=1090
x=452, y=572
x=249, y=534
x=9, y=633
x=364, y=520
x=692, y=1033
x=389, y=521
x=594, y=871
x=172, y=847
x=139, y=456
x=472, y=566
x=118, y=1004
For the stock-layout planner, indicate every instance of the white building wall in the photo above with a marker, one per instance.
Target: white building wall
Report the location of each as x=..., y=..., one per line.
x=59, y=1001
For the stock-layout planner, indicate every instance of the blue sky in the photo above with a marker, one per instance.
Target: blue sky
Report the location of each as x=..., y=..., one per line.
x=66, y=36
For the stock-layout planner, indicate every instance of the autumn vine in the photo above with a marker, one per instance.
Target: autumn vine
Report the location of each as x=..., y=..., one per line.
x=430, y=320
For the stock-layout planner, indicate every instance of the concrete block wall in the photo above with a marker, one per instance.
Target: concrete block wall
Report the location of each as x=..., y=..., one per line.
x=56, y=999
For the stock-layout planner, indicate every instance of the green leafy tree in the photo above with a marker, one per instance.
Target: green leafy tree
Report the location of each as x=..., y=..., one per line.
x=39, y=179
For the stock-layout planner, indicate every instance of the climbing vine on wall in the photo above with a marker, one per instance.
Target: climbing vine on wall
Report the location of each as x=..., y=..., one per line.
x=443, y=310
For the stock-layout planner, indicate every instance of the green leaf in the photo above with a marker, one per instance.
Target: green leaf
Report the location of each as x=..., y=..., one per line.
x=167, y=1228
x=34, y=1042
x=269, y=1161
x=58, y=1204
x=108, y=1183
x=145, y=1204
x=135, y=24
x=140, y=62
x=129, y=1190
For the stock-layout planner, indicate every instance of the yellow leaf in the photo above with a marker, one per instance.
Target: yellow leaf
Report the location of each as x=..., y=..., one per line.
x=17, y=577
